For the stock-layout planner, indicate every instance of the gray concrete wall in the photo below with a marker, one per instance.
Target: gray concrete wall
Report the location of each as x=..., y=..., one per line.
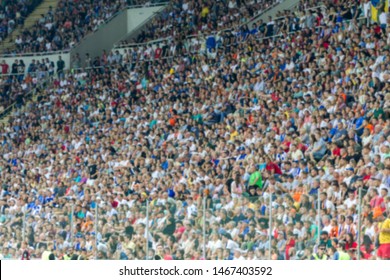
x=103, y=38
x=113, y=31
x=286, y=5
x=27, y=59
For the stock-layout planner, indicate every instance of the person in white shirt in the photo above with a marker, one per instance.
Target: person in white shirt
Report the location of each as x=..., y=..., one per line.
x=351, y=200
x=366, y=8
x=228, y=243
x=299, y=230
x=327, y=225
x=369, y=228
x=350, y=173
x=18, y=40
x=325, y=203
x=215, y=243
x=290, y=65
x=383, y=20
x=296, y=154
x=232, y=229
x=238, y=255
x=191, y=208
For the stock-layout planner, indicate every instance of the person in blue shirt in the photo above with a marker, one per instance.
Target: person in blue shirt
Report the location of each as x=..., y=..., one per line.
x=31, y=204
x=359, y=124
x=340, y=135
x=164, y=163
x=48, y=197
x=254, y=29
x=242, y=154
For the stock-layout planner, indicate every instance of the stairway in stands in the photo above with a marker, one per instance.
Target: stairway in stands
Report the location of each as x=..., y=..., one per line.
x=9, y=42
x=4, y=119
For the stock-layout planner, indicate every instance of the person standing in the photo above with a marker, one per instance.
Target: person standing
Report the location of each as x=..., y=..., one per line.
x=14, y=68
x=60, y=67
x=4, y=68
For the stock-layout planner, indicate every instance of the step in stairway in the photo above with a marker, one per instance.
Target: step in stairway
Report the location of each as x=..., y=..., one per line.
x=43, y=8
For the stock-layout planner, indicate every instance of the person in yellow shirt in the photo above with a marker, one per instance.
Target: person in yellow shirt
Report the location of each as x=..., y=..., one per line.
x=205, y=12
x=233, y=133
x=384, y=237
x=48, y=253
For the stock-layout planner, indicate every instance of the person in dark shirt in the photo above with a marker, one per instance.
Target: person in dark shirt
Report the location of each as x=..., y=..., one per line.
x=14, y=68
x=92, y=168
x=60, y=67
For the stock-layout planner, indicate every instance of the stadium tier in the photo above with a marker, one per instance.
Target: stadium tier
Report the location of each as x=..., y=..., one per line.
x=267, y=140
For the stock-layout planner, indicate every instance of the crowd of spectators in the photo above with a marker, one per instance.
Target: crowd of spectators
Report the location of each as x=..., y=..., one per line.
x=63, y=27
x=265, y=126
x=19, y=79
x=187, y=18
x=13, y=13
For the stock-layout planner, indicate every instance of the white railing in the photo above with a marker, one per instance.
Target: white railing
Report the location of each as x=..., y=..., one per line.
x=154, y=43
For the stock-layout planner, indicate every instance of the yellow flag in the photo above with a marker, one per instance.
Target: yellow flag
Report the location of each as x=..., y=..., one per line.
x=374, y=13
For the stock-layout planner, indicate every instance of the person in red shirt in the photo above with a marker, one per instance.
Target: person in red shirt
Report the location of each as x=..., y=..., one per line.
x=157, y=52
x=290, y=244
x=367, y=248
x=336, y=151
x=300, y=145
x=180, y=229
x=273, y=167
x=376, y=200
x=286, y=144
x=377, y=28
x=4, y=67
x=350, y=243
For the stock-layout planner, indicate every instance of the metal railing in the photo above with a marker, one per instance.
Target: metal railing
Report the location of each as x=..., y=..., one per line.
x=38, y=87
x=158, y=41
x=264, y=206
x=10, y=108
x=43, y=83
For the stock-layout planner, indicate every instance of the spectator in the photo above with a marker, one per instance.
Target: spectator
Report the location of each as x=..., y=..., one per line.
x=168, y=135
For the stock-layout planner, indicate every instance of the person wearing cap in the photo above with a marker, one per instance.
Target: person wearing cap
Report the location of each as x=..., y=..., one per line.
x=320, y=255
x=350, y=174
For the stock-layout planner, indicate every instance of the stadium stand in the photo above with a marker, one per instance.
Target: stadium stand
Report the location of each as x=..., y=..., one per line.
x=268, y=141
x=187, y=18
x=62, y=27
x=13, y=13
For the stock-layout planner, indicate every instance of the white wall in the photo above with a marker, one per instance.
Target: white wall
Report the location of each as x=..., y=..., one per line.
x=137, y=16
x=27, y=59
